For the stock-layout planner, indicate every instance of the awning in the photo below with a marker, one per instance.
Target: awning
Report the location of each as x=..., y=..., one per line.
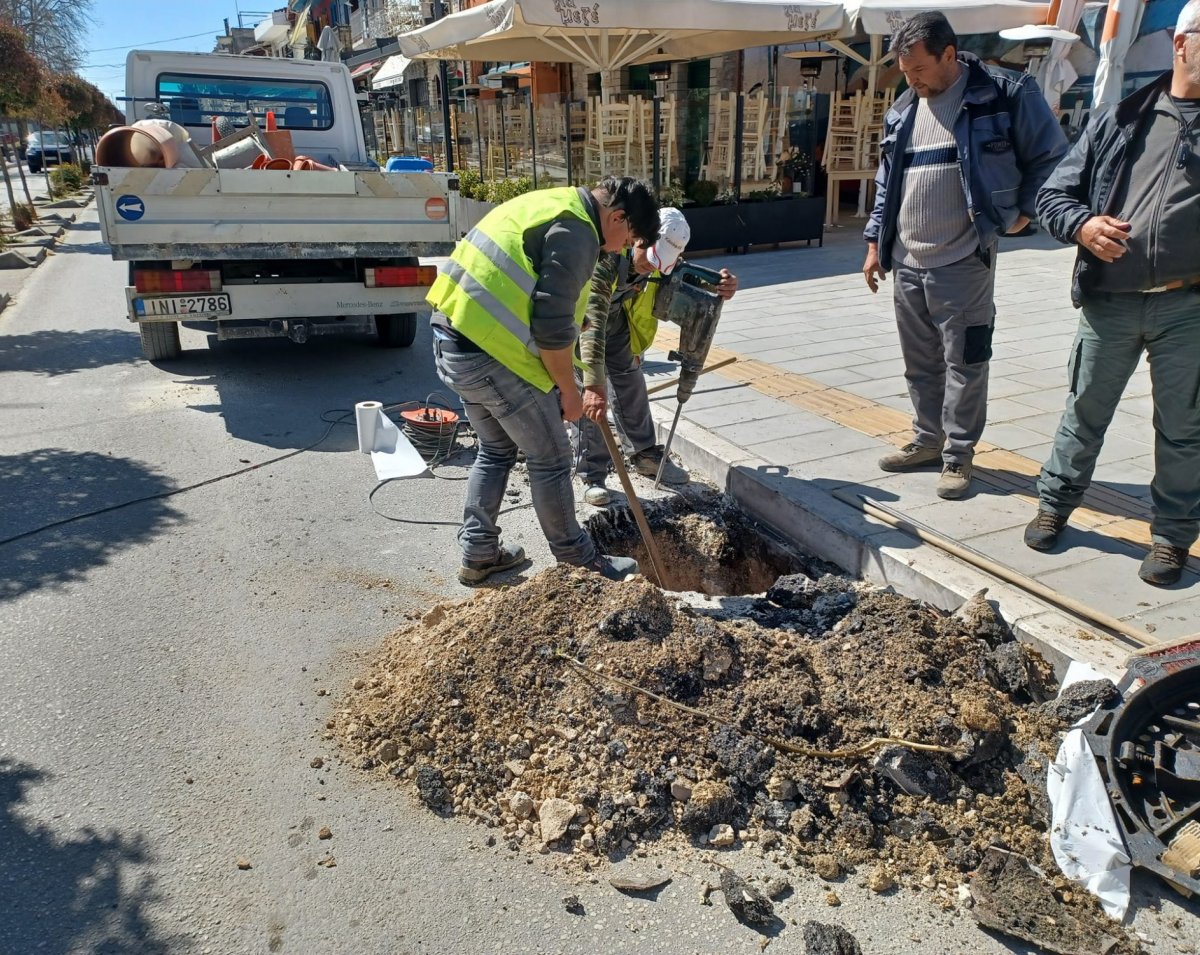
x=364, y=69
x=392, y=72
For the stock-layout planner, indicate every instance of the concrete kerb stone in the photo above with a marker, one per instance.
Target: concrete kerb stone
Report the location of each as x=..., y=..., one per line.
x=28, y=259
x=834, y=531
x=5, y=298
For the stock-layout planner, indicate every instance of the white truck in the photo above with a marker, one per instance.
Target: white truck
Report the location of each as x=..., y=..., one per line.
x=255, y=253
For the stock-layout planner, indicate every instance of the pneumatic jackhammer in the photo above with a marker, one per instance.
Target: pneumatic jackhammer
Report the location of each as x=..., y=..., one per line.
x=689, y=299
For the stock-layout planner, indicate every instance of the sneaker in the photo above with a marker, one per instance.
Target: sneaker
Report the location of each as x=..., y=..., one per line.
x=1042, y=532
x=476, y=571
x=1163, y=566
x=597, y=495
x=910, y=458
x=646, y=464
x=614, y=568
x=954, y=482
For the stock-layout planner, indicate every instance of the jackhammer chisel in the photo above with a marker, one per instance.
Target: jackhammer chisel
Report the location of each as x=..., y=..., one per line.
x=690, y=300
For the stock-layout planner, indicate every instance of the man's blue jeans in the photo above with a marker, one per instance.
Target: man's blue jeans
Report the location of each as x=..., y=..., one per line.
x=508, y=413
x=1114, y=329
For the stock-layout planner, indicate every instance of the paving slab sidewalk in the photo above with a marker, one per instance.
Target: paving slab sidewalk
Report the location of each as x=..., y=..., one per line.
x=818, y=394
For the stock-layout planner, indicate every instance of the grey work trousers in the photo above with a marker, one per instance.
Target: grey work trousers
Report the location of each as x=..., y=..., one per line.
x=629, y=401
x=508, y=413
x=1114, y=329
x=945, y=317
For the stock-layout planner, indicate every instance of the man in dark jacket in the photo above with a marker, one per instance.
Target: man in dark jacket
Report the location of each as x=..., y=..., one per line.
x=965, y=150
x=1128, y=195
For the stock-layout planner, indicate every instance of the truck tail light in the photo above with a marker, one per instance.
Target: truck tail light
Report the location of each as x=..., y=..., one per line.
x=436, y=209
x=177, y=280
x=400, y=276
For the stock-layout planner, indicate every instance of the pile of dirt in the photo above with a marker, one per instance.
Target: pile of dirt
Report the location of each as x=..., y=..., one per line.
x=502, y=709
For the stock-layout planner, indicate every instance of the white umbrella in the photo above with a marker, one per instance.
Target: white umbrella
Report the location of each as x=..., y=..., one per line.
x=880, y=18
x=391, y=73
x=607, y=35
x=885, y=17
x=1052, y=69
x=1121, y=22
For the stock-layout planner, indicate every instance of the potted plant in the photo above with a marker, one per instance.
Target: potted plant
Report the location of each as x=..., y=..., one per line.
x=794, y=168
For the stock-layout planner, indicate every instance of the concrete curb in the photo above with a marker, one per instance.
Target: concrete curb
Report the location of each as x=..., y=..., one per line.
x=22, y=260
x=794, y=505
x=5, y=298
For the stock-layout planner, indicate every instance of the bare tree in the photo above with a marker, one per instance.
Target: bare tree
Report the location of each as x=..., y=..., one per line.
x=56, y=31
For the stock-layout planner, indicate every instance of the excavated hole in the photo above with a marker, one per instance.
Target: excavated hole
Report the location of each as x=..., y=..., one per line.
x=705, y=543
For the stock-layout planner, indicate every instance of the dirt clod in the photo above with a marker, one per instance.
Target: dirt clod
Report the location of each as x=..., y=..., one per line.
x=745, y=901
x=243, y=863
x=821, y=939
x=1012, y=898
x=572, y=905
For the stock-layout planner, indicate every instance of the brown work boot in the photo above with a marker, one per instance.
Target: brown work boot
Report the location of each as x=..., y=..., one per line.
x=911, y=457
x=1163, y=566
x=1042, y=532
x=955, y=481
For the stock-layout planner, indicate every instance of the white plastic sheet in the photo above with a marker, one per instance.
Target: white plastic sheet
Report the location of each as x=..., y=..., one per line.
x=1084, y=836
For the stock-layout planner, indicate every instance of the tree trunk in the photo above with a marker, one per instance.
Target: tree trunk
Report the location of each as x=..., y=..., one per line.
x=12, y=199
x=25, y=186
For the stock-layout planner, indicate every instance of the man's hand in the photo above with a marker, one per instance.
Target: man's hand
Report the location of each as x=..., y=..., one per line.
x=595, y=404
x=571, y=404
x=728, y=285
x=872, y=270
x=1104, y=237
x=1021, y=223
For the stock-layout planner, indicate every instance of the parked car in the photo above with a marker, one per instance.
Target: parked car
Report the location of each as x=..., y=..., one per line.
x=49, y=149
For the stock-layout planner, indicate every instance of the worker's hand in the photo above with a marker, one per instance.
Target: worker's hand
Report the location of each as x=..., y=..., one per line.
x=728, y=284
x=1104, y=237
x=571, y=404
x=595, y=404
x=1021, y=223
x=872, y=270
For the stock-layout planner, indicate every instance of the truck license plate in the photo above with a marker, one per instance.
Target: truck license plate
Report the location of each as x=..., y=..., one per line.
x=216, y=304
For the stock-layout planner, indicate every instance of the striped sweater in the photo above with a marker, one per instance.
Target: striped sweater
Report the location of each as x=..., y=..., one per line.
x=933, y=226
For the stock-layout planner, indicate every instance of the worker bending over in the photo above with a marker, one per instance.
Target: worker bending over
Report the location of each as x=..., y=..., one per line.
x=620, y=326
x=508, y=306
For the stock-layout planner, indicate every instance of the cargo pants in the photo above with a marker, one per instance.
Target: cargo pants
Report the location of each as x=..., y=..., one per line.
x=1114, y=329
x=945, y=317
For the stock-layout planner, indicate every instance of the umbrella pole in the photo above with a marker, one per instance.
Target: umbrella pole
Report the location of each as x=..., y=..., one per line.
x=739, y=117
x=479, y=141
x=567, y=138
x=503, y=134
x=657, y=144
x=532, y=134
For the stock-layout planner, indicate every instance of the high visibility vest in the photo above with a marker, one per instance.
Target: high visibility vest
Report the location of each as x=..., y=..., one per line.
x=486, y=287
x=639, y=310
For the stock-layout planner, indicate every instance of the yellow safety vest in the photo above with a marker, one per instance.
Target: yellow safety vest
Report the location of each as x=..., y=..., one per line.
x=639, y=310
x=486, y=287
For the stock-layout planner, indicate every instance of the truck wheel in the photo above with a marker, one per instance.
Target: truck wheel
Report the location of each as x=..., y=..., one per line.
x=396, y=331
x=160, y=340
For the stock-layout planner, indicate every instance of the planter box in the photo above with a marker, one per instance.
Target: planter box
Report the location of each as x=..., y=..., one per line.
x=470, y=211
x=737, y=227
x=716, y=227
x=787, y=219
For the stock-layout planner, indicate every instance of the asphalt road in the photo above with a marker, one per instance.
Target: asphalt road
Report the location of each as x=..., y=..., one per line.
x=161, y=666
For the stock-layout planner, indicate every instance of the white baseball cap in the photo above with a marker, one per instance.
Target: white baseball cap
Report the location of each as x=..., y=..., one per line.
x=673, y=235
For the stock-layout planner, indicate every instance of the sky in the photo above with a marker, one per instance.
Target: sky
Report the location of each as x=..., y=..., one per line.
x=123, y=25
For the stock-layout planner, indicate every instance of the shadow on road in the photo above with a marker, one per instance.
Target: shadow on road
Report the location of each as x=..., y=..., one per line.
x=60, y=353
x=82, y=248
x=273, y=392
x=40, y=487
x=69, y=894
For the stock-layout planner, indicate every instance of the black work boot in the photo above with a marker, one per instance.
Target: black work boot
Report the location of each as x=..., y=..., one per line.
x=1042, y=532
x=1164, y=564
